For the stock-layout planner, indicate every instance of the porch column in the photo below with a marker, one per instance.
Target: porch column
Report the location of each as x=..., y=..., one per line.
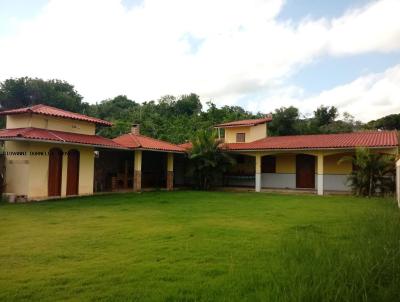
x=320, y=175
x=170, y=171
x=137, y=174
x=258, y=173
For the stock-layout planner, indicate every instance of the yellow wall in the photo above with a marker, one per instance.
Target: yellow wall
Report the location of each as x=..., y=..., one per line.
x=31, y=178
x=17, y=168
x=258, y=132
x=331, y=165
x=252, y=133
x=285, y=163
x=138, y=160
x=51, y=123
x=230, y=133
x=170, y=162
x=18, y=121
x=86, y=171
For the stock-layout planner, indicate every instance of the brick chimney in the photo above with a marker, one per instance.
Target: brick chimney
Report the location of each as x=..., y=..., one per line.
x=135, y=129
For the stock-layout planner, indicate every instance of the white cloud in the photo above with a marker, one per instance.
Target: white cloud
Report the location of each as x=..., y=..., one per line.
x=105, y=49
x=375, y=27
x=369, y=97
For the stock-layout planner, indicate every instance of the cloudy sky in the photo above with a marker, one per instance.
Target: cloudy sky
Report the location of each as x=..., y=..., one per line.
x=260, y=54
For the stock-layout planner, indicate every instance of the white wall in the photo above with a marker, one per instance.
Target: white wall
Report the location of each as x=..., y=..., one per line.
x=332, y=182
x=336, y=182
x=278, y=180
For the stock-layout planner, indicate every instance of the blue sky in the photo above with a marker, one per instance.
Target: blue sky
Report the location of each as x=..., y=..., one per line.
x=339, y=70
x=299, y=9
x=17, y=10
x=260, y=54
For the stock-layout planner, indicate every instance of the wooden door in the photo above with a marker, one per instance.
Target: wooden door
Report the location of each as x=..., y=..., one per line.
x=305, y=171
x=55, y=172
x=73, y=173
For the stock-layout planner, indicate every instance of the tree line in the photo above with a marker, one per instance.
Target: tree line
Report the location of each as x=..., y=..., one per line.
x=176, y=118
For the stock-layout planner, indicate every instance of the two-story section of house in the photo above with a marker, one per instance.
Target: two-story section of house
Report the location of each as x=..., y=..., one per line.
x=244, y=131
x=49, y=152
x=299, y=162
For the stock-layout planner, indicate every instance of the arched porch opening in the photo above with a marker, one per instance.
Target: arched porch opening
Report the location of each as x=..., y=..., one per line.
x=242, y=174
x=154, y=169
x=288, y=170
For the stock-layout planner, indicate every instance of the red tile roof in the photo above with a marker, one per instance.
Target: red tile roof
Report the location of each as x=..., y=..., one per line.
x=245, y=123
x=135, y=141
x=321, y=141
x=52, y=111
x=186, y=146
x=36, y=134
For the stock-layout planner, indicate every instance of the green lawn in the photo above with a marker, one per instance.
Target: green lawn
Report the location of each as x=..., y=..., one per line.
x=201, y=246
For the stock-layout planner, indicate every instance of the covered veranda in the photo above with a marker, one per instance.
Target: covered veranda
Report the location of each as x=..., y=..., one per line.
x=299, y=171
x=145, y=163
x=304, y=163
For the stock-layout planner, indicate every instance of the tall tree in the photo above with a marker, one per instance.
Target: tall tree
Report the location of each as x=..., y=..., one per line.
x=284, y=121
x=175, y=119
x=346, y=124
x=22, y=92
x=118, y=108
x=325, y=115
x=389, y=122
x=188, y=104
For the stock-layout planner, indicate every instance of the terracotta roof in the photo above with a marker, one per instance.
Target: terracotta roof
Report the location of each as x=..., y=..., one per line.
x=321, y=141
x=36, y=134
x=52, y=111
x=136, y=141
x=186, y=146
x=245, y=123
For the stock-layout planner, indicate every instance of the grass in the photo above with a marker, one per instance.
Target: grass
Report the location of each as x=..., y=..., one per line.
x=201, y=246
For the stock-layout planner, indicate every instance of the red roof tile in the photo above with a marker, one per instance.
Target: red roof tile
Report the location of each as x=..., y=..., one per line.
x=245, y=123
x=36, y=134
x=321, y=141
x=52, y=111
x=135, y=141
x=186, y=146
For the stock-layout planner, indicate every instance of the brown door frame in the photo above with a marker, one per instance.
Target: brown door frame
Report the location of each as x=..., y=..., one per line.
x=73, y=172
x=305, y=171
x=55, y=172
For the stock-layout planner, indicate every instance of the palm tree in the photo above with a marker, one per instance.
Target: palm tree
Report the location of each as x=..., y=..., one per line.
x=208, y=159
x=372, y=172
